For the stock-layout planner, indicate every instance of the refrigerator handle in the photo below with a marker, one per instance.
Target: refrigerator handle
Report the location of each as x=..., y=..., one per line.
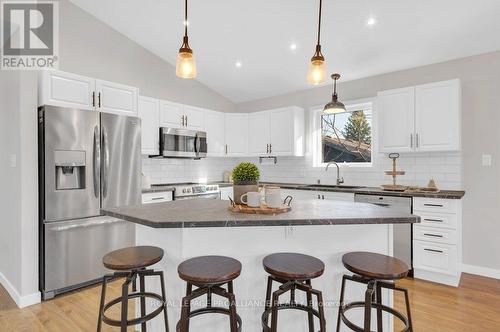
x=105, y=168
x=96, y=161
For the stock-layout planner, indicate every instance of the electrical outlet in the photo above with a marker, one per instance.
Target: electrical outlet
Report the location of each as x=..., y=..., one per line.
x=487, y=160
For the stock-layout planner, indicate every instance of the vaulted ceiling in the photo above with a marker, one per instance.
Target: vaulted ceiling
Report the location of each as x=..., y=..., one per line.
x=259, y=33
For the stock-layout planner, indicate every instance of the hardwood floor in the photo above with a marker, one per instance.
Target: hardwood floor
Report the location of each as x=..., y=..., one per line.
x=474, y=306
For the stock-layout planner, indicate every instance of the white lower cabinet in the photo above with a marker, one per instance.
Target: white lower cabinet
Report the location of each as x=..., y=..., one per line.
x=437, y=240
x=159, y=197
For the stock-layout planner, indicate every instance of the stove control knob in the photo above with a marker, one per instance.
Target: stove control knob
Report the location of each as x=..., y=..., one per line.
x=184, y=191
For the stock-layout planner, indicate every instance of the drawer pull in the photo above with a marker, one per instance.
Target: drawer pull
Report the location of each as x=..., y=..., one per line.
x=433, y=250
x=157, y=198
x=434, y=220
x=433, y=205
x=433, y=235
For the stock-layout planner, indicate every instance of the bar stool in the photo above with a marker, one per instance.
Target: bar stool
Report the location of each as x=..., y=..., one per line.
x=131, y=263
x=293, y=271
x=372, y=269
x=209, y=274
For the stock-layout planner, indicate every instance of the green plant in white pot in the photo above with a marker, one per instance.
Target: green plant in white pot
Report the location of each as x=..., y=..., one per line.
x=246, y=179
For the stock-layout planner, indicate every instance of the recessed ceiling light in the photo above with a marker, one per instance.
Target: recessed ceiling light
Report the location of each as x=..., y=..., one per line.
x=238, y=64
x=371, y=21
x=293, y=46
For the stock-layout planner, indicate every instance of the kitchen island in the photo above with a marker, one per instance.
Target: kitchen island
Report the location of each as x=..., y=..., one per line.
x=323, y=229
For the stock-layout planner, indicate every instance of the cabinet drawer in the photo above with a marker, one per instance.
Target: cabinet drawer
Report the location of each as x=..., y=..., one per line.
x=165, y=196
x=439, y=220
x=434, y=234
x=435, y=205
x=435, y=257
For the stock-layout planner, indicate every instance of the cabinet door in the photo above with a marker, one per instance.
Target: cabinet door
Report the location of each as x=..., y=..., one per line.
x=149, y=112
x=258, y=128
x=396, y=120
x=171, y=114
x=194, y=118
x=214, y=126
x=437, y=116
x=63, y=89
x=116, y=98
x=236, y=126
x=282, y=129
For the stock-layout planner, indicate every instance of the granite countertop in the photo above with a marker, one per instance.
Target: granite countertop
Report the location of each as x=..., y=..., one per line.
x=215, y=213
x=448, y=194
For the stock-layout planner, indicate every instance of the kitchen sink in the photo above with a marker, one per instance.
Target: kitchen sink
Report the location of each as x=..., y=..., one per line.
x=325, y=186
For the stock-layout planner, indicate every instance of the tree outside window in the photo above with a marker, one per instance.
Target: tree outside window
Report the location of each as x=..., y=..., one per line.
x=347, y=137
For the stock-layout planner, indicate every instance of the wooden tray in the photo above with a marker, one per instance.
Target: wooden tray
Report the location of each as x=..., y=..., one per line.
x=391, y=187
x=263, y=209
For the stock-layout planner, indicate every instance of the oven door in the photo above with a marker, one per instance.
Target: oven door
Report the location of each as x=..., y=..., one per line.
x=180, y=143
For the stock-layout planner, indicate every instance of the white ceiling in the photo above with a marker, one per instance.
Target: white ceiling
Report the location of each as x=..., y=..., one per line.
x=259, y=33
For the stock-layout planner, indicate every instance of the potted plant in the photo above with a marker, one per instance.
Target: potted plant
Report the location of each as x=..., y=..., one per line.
x=246, y=179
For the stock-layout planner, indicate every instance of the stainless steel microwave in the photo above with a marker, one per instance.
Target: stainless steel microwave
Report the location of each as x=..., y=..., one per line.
x=182, y=143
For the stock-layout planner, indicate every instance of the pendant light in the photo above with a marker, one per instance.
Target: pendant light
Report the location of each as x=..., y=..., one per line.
x=186, y=65
x=334, y=106
x=317, y=68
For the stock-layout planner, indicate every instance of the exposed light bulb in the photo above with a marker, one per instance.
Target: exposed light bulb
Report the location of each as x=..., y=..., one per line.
x=371, y=21
x=317, y=72
x=186, y=65
x=293, y=46
x=238, y=64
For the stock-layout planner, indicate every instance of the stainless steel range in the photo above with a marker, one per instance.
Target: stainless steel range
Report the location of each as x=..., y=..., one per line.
x=196, y=191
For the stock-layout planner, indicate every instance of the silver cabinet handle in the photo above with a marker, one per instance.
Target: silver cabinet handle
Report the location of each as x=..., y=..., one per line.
x=418, y=140
x=96, y=161
x=99, y=100
x=226, y=148
x=322, y=196
x=411, y=141
x=105, y=169
x=319, y=197
x=186, y=117
x=433, y=205
x=93, y=98
x=433, y=250
x=157, y=198
x=182, y=120
x=434, y=220
x=433, y=235
x=270, y=148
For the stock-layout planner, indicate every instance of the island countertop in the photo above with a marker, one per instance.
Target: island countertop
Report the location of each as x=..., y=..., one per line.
x=215, y=213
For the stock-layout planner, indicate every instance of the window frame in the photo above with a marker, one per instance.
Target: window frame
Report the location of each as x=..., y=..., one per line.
x=316, y=130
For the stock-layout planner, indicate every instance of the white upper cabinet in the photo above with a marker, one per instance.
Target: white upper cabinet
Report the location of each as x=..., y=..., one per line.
x=63, y=89
x=396, y=114
x=420, y=119
x=236, y=127
x=287, y=132
x=149, y=113
x=116, y=98
x=259, y=127
x=214, y=126
x=171, y=114
x=194, y=117
x=437, y=116
x=278, y=132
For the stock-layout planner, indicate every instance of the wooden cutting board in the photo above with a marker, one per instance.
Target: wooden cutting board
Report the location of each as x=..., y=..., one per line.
x=263, y=209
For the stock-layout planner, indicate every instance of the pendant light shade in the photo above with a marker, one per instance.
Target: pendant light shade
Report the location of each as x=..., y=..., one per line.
x=186, y=64
x=335, y=106
x=317, y=68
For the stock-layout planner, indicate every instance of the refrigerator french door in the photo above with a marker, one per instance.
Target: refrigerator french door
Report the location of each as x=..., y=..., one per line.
x=87, y=160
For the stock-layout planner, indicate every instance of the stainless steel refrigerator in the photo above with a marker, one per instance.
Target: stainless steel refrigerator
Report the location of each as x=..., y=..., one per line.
x=87, y=160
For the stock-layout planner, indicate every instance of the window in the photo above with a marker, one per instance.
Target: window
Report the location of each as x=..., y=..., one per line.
x=347, y=137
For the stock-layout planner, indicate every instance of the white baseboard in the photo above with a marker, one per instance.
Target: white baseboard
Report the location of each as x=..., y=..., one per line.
x=482, y=271
x=21, y=301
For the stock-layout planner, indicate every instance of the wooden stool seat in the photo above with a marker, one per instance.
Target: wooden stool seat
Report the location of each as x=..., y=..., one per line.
x=132, y=258
x=375, y=266
x=205, y=270
x=293, y=266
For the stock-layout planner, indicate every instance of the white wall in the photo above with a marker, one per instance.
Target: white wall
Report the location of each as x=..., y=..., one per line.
x=480, y=76
x=90, y=47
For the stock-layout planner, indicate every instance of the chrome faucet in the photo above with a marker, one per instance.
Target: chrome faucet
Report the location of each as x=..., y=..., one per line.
x=340, y=180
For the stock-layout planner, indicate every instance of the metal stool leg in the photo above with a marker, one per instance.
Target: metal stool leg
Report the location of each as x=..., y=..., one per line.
x=378, y=293
x=268, y=295
x=124, y=315
x=342, y=291
x=310, y=315
x=101, y=305
x=163, y=295
x=368, y=306
x=142, y=288
x=322, y=320
x=407, y=300
x=232, y=317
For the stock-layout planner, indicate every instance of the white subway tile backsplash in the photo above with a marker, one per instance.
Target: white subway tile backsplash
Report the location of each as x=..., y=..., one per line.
x=444, y=168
